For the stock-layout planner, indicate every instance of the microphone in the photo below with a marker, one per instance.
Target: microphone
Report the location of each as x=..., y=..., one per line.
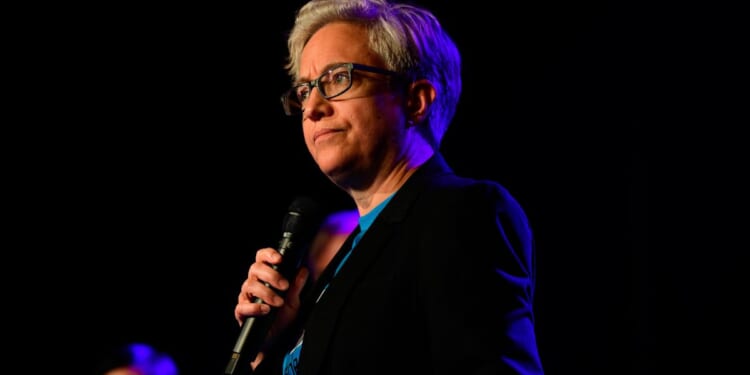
x=300, y=224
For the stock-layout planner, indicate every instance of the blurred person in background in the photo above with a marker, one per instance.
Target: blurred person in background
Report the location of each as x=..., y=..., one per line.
x=137, y=359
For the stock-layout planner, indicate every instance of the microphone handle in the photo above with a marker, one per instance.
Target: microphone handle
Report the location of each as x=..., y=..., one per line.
x=247, y=345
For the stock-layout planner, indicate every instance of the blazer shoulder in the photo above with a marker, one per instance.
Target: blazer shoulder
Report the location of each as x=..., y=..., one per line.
x=470, y=190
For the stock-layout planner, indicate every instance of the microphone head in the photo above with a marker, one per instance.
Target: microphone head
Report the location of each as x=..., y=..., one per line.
x=302, y=221
x=303, y=205
x=303, y=218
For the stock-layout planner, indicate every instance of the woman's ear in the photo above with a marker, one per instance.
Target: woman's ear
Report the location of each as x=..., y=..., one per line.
x=420, y=95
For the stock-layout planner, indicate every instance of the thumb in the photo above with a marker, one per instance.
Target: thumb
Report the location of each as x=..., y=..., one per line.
x=292, y=295
x=288, y=311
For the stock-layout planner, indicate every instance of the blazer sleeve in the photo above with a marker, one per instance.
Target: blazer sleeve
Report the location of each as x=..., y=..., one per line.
x=477, y=283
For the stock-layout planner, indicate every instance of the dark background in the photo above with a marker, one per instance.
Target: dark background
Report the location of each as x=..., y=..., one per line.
x=172, y=162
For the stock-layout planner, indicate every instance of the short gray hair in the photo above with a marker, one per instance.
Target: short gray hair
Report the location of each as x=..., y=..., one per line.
x=409, y=39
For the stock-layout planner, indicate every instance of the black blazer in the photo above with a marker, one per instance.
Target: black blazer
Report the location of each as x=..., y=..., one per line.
x=441, y=283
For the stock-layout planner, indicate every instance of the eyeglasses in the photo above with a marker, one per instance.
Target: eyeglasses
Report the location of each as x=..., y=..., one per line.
x=332, y=83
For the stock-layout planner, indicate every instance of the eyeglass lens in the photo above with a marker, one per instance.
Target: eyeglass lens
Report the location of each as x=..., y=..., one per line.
x=332, y=83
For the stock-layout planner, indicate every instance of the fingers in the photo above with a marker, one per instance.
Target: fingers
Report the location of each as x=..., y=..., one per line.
x=244, y=310
x=257, y=360
x=258, y=287
x=263, y=269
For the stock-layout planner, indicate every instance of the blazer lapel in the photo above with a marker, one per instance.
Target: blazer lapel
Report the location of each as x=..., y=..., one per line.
x=325, y=313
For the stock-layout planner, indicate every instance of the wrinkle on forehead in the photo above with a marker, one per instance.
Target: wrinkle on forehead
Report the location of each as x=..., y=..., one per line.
x=334, y=43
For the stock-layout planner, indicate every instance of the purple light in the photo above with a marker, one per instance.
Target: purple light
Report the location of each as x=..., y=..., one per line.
x=150, y=362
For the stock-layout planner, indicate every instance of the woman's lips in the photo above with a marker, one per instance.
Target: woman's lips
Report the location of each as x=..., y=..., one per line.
x=324, y=133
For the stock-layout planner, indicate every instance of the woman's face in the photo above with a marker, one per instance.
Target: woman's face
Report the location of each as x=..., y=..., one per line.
x=359, y=134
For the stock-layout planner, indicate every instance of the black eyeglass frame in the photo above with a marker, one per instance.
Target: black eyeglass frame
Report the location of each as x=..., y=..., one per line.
x=286, y=98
